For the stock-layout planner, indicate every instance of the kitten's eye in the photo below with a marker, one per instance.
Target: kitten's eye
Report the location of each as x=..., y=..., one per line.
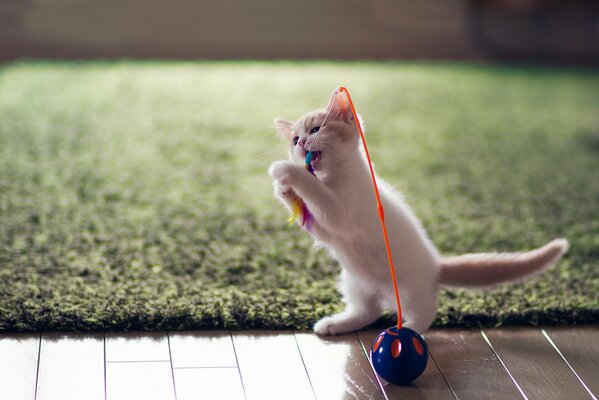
x=295, y=140
x=315, y=129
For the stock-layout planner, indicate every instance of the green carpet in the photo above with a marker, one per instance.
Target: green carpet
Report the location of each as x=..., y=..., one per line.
x=134, y=195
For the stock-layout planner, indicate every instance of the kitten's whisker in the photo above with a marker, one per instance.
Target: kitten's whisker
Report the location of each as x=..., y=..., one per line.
x=270, y=127
x=270, y=153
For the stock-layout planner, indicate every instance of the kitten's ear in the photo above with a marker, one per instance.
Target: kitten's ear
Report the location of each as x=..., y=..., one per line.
x=340, y=107
x=284, y=128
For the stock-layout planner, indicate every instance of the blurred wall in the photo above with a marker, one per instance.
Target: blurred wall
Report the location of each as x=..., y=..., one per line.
x=346, y=29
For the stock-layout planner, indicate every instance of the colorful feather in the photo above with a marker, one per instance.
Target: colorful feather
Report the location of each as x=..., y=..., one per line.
x=299, y=210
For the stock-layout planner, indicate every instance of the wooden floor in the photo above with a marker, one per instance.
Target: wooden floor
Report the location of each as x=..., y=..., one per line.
x=509, y=363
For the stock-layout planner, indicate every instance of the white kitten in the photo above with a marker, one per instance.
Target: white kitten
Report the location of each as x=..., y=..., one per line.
x=345, y=222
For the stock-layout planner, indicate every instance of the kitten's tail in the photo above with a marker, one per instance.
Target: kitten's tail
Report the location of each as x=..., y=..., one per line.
x=485, y=269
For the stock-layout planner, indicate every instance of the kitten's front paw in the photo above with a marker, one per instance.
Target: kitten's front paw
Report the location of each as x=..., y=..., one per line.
x=281, y=171
x=344, y=322
x=329, y=326
x=322, y=326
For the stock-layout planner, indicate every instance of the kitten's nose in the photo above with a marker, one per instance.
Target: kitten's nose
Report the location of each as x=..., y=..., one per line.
x=302, y=143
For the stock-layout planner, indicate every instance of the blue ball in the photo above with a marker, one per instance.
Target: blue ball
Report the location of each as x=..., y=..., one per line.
x=399, y=355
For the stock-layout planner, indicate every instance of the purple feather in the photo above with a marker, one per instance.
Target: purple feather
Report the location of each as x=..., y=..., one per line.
x=306, y=222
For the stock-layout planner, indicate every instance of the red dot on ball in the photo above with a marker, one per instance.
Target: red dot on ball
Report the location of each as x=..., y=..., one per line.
x=396, y=348
x=417, y=346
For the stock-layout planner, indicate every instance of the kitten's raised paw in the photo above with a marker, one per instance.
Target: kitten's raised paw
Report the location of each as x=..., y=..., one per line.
x=285, y=190
x=281, y=170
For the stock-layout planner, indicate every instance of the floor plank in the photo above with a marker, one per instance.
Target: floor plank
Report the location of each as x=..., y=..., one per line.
x=271, y=366
x=139, y=381
x=137, y=346
x=202, y=349
x=580, y=347
x=337, y=367
x=71, y=366
x=469, y=365
x=208, y=384
x=537, y=368
x=18, y=365
x=430, y=385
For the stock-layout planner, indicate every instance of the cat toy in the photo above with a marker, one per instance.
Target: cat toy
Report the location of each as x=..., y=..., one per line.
x=299, y=210
x=398, y=354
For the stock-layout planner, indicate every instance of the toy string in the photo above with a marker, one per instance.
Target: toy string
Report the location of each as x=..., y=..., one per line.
x=380, y=209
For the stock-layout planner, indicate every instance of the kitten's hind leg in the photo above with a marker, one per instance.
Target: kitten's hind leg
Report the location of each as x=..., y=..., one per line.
x=419, y=312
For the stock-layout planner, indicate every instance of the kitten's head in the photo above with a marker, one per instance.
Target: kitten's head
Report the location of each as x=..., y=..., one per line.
x=332, y=142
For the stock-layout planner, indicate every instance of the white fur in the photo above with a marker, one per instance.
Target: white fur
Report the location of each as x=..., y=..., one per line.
x=342, y=201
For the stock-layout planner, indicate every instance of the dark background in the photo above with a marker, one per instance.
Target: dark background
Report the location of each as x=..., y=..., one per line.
x=512, y=30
